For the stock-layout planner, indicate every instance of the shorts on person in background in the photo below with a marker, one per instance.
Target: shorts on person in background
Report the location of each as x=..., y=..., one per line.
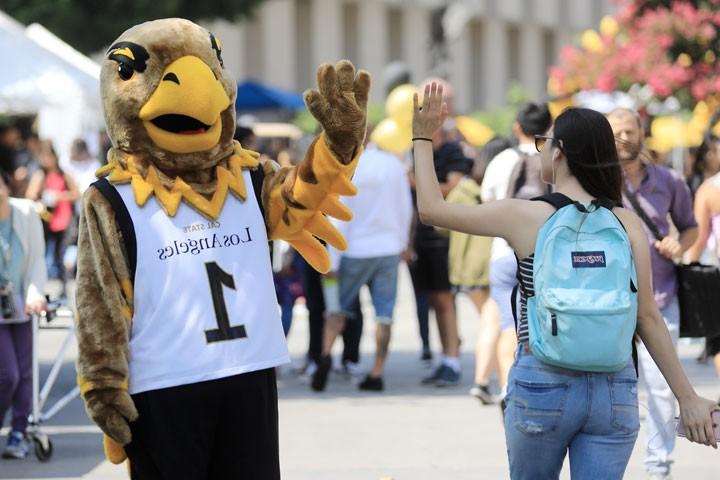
x=429, y=270
x=503, y=278
x=379, y=274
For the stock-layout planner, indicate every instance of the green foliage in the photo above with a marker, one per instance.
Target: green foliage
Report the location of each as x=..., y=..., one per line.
x=307, y=123
x=90, y=25
x=500, y=120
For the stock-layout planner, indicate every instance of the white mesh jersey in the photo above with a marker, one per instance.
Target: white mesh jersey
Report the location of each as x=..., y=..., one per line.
x=205, y=305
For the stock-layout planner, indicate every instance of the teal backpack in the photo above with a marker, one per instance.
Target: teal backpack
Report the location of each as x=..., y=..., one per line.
x=584, y=311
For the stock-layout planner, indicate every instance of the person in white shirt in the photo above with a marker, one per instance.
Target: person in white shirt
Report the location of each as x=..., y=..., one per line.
x=376, y=238
x=532, y=119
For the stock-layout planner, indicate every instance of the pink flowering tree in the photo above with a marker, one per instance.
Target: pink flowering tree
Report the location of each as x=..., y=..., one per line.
x=654, y=49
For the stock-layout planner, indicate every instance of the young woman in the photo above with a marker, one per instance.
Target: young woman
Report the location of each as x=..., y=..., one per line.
x=707, y=162
x=57, y=192
x=707, y=214
x=552, y=410
x=22, y=279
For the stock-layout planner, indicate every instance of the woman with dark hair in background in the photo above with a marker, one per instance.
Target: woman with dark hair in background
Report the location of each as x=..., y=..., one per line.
x=551, y=410
x=707, y=162
x=57, y=192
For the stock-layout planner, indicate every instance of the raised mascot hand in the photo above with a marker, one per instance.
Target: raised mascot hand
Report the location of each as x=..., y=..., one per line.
x=340, y=105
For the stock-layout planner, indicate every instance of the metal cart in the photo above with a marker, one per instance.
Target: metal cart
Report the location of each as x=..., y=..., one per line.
x=42, y=445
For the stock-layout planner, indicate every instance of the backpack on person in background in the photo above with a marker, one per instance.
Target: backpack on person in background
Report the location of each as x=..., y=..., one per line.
x=526, y=178
x=584, y=312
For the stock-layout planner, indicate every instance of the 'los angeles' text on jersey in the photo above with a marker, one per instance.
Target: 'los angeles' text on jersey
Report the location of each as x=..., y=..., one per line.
x=194, y=246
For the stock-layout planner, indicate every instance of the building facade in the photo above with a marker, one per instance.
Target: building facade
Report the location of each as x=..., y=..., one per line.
x=489, y=42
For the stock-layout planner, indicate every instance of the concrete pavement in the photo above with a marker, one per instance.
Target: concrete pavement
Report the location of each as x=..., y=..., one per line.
x=408, y=432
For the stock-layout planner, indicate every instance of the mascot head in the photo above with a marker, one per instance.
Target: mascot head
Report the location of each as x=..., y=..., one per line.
x=168, y=97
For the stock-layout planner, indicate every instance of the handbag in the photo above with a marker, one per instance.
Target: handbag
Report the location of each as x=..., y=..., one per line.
x=698, y=287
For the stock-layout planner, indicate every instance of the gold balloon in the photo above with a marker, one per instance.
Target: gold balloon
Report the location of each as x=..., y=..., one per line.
x=558, y=105
x=399, y=104
x=475, y=132
x=390, y=136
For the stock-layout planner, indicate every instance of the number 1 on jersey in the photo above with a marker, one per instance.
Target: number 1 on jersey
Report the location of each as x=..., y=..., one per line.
x=219, y=277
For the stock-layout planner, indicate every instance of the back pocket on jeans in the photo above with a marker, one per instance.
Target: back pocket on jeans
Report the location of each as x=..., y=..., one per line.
x=538, y=406
x=623, y=395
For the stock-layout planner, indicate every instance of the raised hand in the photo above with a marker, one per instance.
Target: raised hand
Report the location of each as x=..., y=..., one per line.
x=429, y=117
x=340, y=105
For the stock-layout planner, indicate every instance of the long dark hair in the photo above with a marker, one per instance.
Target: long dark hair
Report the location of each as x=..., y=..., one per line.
x=709, y=141
x=587, y=140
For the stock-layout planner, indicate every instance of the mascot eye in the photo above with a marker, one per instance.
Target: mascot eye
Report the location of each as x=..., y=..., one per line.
x=125, y=71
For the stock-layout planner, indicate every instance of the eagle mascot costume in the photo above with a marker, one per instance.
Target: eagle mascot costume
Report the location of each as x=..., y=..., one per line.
x=177, y=318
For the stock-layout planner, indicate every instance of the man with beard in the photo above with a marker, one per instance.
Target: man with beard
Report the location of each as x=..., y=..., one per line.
x=653, y=191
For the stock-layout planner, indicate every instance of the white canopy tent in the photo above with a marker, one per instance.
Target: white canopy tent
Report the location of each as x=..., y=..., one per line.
x=45, y=76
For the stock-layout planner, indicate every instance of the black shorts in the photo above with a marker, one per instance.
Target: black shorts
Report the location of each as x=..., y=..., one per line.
x=215, y=430
x=430, y=271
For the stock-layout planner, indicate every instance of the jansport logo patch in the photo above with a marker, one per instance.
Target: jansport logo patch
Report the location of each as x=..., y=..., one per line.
x=588, y=260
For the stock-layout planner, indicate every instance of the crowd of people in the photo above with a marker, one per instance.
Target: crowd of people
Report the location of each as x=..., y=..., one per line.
x=443, y=263
x=386, y=231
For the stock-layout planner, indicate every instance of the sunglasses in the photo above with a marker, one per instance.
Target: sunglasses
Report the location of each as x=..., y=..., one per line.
x=541, y=139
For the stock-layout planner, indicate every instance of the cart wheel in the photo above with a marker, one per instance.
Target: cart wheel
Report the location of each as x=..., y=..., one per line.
x=43, y=449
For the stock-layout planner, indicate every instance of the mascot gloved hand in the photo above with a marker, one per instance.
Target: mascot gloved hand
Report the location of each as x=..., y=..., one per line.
x=177, y=319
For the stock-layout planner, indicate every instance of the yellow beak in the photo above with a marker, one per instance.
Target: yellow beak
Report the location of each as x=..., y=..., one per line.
x=183, y=113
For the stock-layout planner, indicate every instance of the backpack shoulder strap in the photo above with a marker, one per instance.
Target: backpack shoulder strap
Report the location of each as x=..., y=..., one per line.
x=123, y=219
x=557, y=200
x=258, y=177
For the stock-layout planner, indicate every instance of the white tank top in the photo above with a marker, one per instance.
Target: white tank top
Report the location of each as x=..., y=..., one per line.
x=205, y=304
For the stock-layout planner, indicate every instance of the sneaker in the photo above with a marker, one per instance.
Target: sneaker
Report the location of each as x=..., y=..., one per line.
x=17, y=446
x=482, y=393
x=350, y=370
x=320, y=377
x=434, y=377
x=372, y=384
x=659, y=476
x=448, y=377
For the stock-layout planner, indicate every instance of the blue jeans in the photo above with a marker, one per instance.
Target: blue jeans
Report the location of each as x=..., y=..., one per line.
x=551, y=411
x=379, y=274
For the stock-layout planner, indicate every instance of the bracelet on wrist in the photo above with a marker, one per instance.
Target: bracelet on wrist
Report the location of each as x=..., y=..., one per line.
x=422, y=138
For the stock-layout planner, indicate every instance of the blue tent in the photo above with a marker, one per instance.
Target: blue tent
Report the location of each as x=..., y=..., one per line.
x=252, y=95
